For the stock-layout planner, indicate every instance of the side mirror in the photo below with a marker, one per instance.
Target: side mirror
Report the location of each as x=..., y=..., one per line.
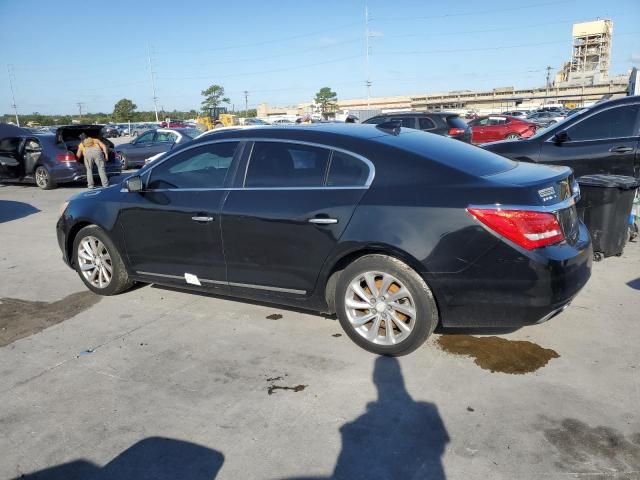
x=560, y=137
x=134, y=184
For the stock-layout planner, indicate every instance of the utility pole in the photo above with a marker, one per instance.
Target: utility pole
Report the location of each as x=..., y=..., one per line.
x=80, y=104
x=153, y=82
x=366, y=36
x=13, y=96
x=548, y=80
x=246, y=103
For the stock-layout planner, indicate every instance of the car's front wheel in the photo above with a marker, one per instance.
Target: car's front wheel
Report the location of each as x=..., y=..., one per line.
x=512, y=136
x=384, y=306
x=98, y=262
x=123, y=160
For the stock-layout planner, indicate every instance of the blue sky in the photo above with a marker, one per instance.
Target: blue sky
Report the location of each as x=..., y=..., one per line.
x=282, y=52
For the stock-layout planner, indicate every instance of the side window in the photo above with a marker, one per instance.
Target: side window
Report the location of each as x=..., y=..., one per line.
x=347, y=171
x=425, y=123
x=617, y=122
x=165, y=137
x=146, y=137
x=375, y=121
x=280, y=164
x=201, y=167
x=480, y=122
x=406, y=122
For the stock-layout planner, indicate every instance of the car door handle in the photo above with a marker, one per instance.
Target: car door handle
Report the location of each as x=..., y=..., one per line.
x=202, y=219
x=621, y=149
x=323, y=221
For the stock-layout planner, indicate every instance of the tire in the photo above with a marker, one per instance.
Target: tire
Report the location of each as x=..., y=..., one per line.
x=124, y=161
x=88, y=241
x=416, y=310
x=512, y=136
x=43, y=178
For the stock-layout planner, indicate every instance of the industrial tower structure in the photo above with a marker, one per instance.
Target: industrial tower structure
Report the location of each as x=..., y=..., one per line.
x=590, y=55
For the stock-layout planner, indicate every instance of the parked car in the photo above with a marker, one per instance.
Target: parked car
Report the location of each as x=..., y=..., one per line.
x=520, y=114
x=280, y=121
x=142, y=128
x=48, y=159
x=110, y=131
x=500, y=127
x=173, y=124
x=393, y=229
x=545, y=118
x=254, y=121
x=603, y=138
x=441, y=123
x=150, y=143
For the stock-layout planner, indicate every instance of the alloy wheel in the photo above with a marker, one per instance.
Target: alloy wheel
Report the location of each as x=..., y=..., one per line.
x=380, y=308
x=95, y=262
x=42, y=177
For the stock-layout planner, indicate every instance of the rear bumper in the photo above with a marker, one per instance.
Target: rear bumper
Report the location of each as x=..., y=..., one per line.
x=510, y=288
x=75, y=172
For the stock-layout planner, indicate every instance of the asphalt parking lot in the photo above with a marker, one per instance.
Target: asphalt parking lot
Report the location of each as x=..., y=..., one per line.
x=156, y=383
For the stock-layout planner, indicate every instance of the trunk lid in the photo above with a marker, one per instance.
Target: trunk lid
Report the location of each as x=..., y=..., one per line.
x=69, y=135
x=544, y=188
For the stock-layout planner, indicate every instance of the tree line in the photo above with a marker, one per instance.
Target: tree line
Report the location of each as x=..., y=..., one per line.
x=126, y=111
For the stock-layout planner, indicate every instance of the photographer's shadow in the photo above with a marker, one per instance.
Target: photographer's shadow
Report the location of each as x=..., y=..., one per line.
x=396, y=437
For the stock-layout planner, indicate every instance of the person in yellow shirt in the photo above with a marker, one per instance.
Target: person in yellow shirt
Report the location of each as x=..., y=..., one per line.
x=93, y=151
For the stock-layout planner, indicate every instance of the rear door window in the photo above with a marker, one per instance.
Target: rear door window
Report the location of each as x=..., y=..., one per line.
x=200, y=167
x=146, y=137
x=162, y=137
x=617, y=122
x=286, y=165
x=347, y=171
x=406, y=122
x=425, y=123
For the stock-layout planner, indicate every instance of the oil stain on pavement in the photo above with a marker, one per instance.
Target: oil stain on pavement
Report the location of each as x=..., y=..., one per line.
x=593, y=450
x=297, y=388
x=21, y=318
x=498, y=354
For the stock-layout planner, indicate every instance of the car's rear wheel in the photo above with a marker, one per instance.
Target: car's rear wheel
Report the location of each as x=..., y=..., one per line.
x=384, y=306
x=124, y=161
x=43, y=178
x=512, y=136
x=98, y=262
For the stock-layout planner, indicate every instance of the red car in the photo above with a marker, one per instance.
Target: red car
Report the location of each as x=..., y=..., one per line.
x=500, y=127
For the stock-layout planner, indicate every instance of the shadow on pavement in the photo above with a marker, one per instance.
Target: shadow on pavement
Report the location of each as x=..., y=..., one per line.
x=10, y=210
x=635, y=284
x=153, y=458
x=395, y=438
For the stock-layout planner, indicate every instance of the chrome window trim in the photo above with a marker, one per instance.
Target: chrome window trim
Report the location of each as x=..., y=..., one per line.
x=550, y=139
x=229, y=284
x=367, y=183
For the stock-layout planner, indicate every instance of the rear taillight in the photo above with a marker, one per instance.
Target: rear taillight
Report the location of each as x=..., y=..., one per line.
x=526, y=228
x=66, y=157
x=453, y=131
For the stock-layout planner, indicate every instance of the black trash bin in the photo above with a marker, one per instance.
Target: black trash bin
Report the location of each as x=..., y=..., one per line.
x=604, y=207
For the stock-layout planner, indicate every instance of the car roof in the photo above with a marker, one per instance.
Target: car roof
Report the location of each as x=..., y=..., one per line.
x=413, y=114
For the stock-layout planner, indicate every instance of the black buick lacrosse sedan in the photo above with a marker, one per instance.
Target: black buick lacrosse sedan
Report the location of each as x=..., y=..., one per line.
x=395, y=230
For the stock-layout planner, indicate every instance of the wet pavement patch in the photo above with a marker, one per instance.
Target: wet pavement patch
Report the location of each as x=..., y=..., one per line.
x=21, y=318
x=498, y=354
x=274, y=316
x=593, y=450
x=297, y=388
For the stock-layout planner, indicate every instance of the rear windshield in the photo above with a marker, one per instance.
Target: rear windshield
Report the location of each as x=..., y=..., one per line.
x=456, y=122
x=452, y=153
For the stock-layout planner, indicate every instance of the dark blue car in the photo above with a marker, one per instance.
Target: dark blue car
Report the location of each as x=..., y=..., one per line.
x=48, y=159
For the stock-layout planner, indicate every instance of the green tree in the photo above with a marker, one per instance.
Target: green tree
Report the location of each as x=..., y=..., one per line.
x=327, y=100
x=123, y=110
x=213, y=97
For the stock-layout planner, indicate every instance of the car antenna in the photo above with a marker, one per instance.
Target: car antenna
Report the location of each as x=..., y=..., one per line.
x=391, y=126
